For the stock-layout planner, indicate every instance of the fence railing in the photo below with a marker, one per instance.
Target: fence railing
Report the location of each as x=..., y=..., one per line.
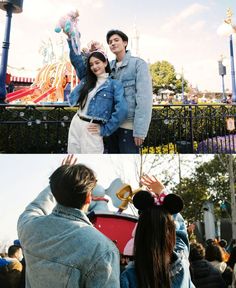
x=192, y=129
x=173, y=129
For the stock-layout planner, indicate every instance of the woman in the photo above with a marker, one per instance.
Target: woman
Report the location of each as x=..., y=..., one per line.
x=161, y=245
x=215, y=255
x=102, y=106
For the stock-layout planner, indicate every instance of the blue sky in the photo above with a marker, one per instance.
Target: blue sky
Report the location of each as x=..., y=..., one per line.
x=181, y=32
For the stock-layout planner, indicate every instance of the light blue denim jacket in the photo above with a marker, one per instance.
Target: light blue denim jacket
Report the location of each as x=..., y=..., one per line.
x=180, y=273
x=63, y=249
x=108, y=104
x=135, y=76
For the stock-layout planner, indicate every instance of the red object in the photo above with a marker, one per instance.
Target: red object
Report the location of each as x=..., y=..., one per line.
x=117, y=227
x=21, y=93
x=9, y=95
x=8, y=78
x=51, y=90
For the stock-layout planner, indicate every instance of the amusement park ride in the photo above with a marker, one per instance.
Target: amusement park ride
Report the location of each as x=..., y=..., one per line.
x=117, y=226
x=49, y=85
x=52, y=81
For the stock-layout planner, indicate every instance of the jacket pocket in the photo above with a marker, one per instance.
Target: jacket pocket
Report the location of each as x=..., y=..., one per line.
x=104, y=104
x=130, y=88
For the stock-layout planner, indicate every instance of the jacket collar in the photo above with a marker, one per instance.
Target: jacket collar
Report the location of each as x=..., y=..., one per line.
x=125, y=60
x=71, y=213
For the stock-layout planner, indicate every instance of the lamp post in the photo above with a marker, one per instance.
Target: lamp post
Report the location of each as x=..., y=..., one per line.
x=228, y=29
x=222, y=73
x=178, y=77
x=10, y=6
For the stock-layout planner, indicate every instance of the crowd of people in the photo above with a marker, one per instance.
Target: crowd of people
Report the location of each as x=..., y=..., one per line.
x=190, y=98
x=62, y=248
x=12, y=267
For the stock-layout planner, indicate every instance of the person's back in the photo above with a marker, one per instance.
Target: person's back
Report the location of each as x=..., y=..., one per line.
x=62, y=254
x=10, y=275
x=63, y=249
x=160, y=244
x=205, y=275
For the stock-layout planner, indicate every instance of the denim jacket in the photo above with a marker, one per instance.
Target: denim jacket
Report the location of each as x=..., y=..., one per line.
x=108, y=104
x=135, y=77
x=63, y=249
x=180, y=273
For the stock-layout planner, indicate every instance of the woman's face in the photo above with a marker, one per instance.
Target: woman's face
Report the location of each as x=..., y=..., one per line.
x=97, y=66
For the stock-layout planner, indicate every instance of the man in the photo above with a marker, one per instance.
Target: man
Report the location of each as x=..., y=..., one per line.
x=61, y=246
x=134, y=74
x=14, y=257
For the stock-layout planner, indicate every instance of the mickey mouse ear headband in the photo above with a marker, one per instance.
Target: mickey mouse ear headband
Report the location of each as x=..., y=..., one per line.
x=171, y=202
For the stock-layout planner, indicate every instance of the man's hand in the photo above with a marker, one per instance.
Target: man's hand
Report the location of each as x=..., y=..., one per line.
x=152, y=184
x=69, y=160
x=94, y=128
x=138, y=141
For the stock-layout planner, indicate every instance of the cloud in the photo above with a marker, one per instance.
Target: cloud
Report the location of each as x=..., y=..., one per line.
x=197, y=26
x=178, y=19
x=93, y=3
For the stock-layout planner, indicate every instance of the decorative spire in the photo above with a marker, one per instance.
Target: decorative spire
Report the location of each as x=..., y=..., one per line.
x=229, y=15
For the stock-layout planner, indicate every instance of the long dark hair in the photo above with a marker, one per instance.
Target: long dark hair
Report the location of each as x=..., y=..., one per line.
x=91, y=78
x=153, y=246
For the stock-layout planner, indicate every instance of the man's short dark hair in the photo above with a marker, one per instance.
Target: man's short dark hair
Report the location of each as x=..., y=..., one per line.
x=71, y=184
x=12, y=250
x=123, y=36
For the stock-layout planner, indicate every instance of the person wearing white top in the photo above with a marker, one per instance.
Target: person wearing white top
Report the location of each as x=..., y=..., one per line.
x=102, y=105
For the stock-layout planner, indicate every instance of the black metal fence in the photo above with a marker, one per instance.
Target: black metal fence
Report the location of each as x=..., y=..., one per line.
x=192, y=129
x=173, y=129
x=34, y=129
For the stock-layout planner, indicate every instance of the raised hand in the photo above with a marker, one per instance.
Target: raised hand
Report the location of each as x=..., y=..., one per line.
x=69, y=160
x=152, y=184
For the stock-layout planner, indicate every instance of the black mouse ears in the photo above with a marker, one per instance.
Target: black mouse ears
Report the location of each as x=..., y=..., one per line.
x=171, y=202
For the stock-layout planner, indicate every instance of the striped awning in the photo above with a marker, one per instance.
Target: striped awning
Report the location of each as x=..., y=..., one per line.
x=22, y=79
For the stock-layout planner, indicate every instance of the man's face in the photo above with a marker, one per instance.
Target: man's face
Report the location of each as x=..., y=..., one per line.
x=19, y=254
x=117, y=44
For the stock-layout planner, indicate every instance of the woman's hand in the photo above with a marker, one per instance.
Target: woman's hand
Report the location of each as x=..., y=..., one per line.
x=69, y=160
x=94, y=128
x=152, y=184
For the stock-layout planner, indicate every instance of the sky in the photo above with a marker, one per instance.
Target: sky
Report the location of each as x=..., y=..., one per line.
x=24, y=176
x=183, y=33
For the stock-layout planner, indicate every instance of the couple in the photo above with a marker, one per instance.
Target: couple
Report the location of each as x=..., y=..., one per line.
x=115, y=100
x=63, y=249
